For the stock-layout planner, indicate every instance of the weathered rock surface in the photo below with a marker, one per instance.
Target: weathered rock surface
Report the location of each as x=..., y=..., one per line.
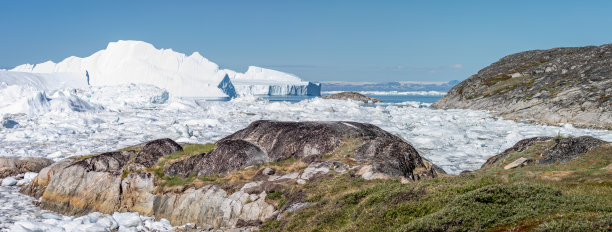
x=272, y=141
x=566, y=149
x=207, y=205
x=125, y=181
x=10, y=166
x=550, y=151
x=352, y=96
x=152, y=151
x=517, y=163
x=560, y=85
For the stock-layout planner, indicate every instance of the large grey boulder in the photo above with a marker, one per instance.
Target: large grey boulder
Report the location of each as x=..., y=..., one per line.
x=559, y=85
x=272, y=141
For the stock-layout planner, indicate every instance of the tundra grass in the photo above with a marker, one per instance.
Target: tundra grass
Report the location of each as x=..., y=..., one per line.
x=574, y=196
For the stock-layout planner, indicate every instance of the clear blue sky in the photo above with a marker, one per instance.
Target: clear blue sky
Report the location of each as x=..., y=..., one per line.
x=317, y=40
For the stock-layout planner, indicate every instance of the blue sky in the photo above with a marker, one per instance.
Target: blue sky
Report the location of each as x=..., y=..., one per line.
x=317, y=40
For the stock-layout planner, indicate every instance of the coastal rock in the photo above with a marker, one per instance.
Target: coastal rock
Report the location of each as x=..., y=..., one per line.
x=186, y=188
x=91, y=184
x=352, y=96
x=10, y=166
x=560, y=85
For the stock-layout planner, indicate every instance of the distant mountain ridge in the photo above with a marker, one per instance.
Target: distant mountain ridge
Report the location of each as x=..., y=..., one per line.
x=560, y=85
x=388, y=86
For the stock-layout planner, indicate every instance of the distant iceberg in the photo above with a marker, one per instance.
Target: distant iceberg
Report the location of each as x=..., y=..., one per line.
x=137, y=62
x=262, y=81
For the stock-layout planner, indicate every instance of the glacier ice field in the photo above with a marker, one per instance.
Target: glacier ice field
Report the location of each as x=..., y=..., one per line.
x=103, y=119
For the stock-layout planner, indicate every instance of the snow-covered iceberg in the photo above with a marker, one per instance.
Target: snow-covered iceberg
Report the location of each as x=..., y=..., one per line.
x=138, y=62
x=262, y=81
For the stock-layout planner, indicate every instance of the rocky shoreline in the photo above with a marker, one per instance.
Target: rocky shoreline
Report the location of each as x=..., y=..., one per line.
x=231, y=183
x=559, y=85
x=266, y=175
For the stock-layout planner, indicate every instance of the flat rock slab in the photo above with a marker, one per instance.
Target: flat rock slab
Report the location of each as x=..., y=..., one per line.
x=518, y=162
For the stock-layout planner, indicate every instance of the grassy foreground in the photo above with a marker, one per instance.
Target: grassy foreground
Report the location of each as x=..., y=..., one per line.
x=574, y=196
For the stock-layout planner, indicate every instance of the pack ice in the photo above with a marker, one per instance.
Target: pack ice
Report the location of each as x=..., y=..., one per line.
x=33, y=93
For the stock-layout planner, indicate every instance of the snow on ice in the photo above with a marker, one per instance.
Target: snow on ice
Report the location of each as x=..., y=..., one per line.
x=126, y=62
x=262, y=81
x=456, y=140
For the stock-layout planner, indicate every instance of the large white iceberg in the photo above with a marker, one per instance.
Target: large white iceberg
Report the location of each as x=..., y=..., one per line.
x=262, y=81
x=138, y=62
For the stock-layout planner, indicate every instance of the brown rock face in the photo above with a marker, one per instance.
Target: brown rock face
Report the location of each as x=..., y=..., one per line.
x=272, y=141
x=10, y=166
x=94, y=183
x=559, y=85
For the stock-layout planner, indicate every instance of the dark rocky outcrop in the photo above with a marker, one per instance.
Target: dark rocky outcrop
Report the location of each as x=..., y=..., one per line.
x=551, y=150
x=352, y=96
x=152, y=151
x=10, y=166
x=272, y=141
x=229, y=155
x=560, y=85
x=566, y=149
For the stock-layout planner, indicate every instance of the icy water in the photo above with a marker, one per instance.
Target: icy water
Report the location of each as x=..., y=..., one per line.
x=387, y=98
x=456, y=140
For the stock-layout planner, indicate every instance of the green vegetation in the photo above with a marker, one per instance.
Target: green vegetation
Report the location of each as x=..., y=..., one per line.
x=495, y=79
x=574, y=196
x=344, y=152
x=87, y=156
x=188, y=151
x=503, y=83
x=509, y=85
x=176, y=181
x=97, y=154
x=274, y=196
